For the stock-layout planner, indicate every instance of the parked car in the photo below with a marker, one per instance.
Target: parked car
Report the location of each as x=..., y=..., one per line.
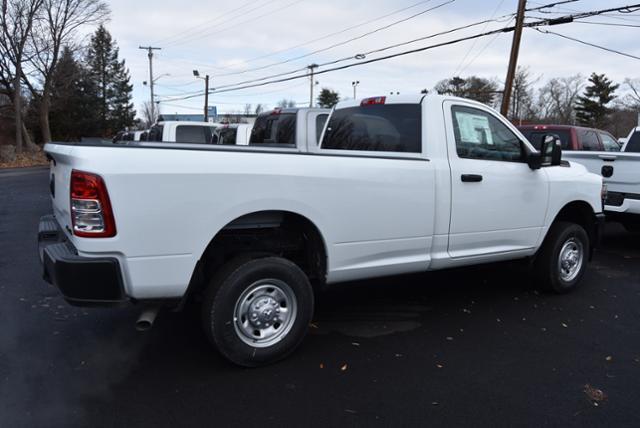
x=632, y=142
x=574, y=138
x=292, y=126
x=182, y=132
x=232, y=134
x=399, y=185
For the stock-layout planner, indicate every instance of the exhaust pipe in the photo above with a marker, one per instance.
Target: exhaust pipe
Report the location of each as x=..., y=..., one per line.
x=146, y=318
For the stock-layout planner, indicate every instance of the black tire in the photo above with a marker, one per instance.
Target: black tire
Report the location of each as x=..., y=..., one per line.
x=231, y=283
x=547, y=265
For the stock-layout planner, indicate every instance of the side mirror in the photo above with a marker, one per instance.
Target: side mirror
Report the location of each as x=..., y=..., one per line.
x=550, y=153
x=551, y=150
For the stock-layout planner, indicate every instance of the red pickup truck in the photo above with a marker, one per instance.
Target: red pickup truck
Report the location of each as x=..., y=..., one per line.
x=574, y=138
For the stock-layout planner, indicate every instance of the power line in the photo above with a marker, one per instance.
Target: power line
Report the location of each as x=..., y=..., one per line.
x=317, y=51
x=362, y=61
x=486, y=22
x=612, y=24
x=362, y=24
x=208, y=34
x=588, y=43
x=473, y=45
x=365, y=54
x=181, y=34
x=481, y=51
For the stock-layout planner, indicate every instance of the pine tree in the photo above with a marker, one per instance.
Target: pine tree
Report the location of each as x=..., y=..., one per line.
x=73, y=109
x=113, y=89
x=591, y=108
x=328, y=98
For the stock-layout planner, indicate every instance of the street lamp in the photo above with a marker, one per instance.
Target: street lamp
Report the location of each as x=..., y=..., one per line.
x=355, y=85
x=196, y=74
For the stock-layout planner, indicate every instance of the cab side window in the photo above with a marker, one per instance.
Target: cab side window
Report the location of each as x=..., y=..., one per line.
x=480, y=135
x=609, y=143
x=589, y=140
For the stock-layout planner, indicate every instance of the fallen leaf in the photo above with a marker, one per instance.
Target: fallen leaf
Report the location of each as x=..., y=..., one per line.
x=321, y=365
x=344, y=368
x=434, y=403
x=312, y=325
x=449, y=338
x=439, y=366
x=594, y=394
x=355, y=343
x=564, y=325
x=609, y=358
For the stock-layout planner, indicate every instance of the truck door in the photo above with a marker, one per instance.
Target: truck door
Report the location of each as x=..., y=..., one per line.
x=498, y=204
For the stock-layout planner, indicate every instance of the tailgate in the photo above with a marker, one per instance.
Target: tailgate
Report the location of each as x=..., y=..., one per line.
x=61, y=165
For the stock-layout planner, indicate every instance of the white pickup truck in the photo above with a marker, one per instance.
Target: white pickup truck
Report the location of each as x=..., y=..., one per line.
x=399, y=185
x=621, y=173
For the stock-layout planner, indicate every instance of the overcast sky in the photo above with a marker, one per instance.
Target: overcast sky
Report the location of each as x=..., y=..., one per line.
x=221, y=37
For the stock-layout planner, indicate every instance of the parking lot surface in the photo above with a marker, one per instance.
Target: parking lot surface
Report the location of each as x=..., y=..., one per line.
x=476, y=347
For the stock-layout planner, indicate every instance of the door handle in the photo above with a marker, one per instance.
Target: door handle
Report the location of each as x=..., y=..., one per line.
x=471, y=178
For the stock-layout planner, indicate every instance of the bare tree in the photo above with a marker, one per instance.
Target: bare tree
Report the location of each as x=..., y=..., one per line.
x=18, y=17
x=522, y=100
x=259, y=108
x=247, y=109
x=149, y=115
x=632, y=99
x=557, y=99
x=56, y=28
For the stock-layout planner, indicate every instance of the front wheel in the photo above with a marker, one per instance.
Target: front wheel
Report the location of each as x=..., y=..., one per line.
x=257, y=311
x=562, y=261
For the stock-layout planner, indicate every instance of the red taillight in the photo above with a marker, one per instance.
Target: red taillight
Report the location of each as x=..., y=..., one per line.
x=91, y=213
x=373, y=101
x=276, y=111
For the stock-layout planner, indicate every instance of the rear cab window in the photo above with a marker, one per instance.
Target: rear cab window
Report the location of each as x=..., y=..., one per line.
x=375, y=128
x=194, y=134
x=274, y=129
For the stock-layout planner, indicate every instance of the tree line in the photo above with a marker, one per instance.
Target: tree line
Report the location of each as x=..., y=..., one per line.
x=574, y=100
x=55, y=84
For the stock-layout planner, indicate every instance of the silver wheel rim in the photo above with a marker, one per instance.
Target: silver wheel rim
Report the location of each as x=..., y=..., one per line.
x=571, y=259
x=265, y=312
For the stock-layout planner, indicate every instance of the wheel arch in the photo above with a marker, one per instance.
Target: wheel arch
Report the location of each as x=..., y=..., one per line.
x=582, y=213
x=263, y=233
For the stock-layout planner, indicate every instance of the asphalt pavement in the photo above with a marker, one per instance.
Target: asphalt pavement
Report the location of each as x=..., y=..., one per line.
x=471, y=347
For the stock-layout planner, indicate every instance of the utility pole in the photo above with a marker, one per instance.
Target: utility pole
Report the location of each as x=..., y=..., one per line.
x=513, y=61
x=206, y=98
x=196, y=73
x=312, y=68
x=355, y=85
x=150, y=50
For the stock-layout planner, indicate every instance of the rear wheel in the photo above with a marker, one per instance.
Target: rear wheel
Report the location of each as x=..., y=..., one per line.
x=562, y=261
x=256, y=312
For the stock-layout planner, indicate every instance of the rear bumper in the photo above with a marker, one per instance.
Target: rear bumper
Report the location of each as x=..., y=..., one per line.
x=622, y=203
x=83, y=281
